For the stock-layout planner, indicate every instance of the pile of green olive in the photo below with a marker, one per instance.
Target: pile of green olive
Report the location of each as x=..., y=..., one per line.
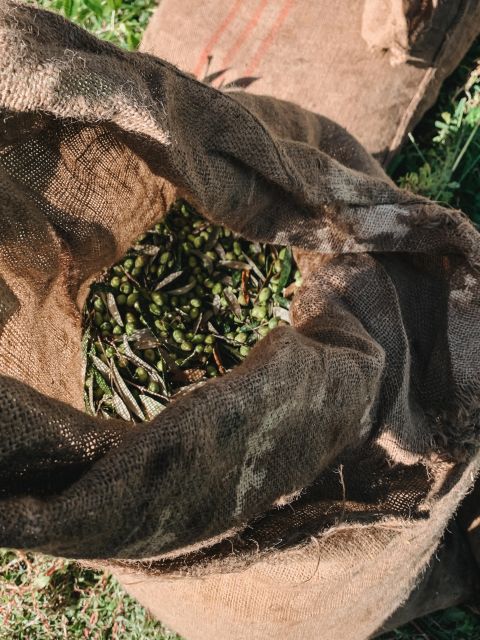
x=187, y=303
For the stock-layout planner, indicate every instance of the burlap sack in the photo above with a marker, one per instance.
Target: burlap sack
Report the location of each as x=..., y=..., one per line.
x=373, y=66
x=301, y=495
x=450, y=579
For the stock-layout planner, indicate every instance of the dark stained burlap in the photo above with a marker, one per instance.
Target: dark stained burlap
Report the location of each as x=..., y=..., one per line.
x=305, y=491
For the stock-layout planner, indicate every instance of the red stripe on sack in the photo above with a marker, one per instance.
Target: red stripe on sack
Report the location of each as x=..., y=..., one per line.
x=252, y=23
x=216, y=37
x=269, y=38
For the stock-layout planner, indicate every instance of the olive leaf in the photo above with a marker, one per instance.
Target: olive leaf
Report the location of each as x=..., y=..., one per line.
x=125, y=393
x=120, y=407
x=152, y=407
x=286, y=269
x=167, y=280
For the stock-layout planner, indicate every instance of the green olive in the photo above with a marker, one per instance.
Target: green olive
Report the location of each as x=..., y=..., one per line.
x=155, y=309
x=128, y=264
x=178, y=336
x=126, y=288
x=115, y=282
x=106, y=328
x=98, y=304
x=259, y=312
x=149, y=355
x=264, y=295
x=272, y=323
x=159, y=298
x=141, y=374
x=131, y=299
x=164, y=257
x=98, y=319
x=130, y=328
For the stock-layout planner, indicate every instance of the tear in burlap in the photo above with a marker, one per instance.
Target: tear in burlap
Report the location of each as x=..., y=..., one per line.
x=334, y=456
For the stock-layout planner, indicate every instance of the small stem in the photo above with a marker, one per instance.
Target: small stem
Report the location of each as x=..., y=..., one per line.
x=470, y=168
x=417, y=148
x=465, y=147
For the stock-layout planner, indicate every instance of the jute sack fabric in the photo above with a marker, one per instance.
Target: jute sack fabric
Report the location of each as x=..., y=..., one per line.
x=373, y=66
x=302, y=494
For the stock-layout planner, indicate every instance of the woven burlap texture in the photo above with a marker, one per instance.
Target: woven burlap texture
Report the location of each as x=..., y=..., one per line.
x=322, y=55
x=341, y=446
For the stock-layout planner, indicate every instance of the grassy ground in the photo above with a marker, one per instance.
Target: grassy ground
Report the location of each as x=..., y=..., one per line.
x=45, y=598
x=441, y=159
x=50, y=598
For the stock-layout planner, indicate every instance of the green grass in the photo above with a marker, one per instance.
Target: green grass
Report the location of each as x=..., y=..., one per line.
x=441, y=159
x=119, y=22
x=49, y=598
